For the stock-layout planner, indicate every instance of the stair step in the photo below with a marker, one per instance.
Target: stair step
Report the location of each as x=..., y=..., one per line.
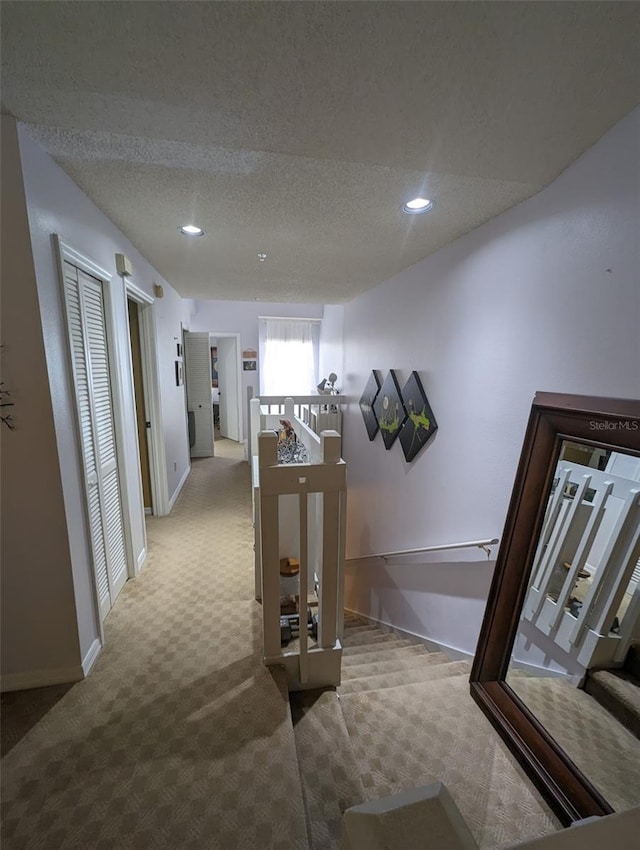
x=352, y=615
x=394, y=664
x=423, y=673
x=358, y=654
x=354, y=631
x=328, y=770
x=368, y=636
x=282, y=735
x=370, y=645
x=412, y=735
x=354, y=623
x=632, y=661
x=618, y=692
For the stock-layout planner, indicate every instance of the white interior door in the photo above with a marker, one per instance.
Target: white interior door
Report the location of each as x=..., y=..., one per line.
x=87, y=332
x=228, y=382
x=197, y=361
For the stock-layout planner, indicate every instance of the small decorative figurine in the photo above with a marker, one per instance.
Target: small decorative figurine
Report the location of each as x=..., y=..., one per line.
x=327, y=386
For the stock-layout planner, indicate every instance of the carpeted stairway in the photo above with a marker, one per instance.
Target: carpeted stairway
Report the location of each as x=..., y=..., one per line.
x=403, y=717
x=619, y=690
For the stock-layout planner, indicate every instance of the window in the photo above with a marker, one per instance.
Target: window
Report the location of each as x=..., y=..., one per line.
x=288, y=356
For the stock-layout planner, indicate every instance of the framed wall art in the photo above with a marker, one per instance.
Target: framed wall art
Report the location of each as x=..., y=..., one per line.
x=420, y=424
x=367, y=400
x=389, y=410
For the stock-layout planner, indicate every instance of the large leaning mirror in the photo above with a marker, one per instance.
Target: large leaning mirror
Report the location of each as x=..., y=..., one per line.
x=563, y=612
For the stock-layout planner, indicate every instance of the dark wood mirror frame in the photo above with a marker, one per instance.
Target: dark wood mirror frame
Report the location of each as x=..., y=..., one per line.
x=599, y=422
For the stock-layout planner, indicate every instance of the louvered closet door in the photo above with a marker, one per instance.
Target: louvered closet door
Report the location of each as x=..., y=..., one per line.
x=197, y=353
x=85, y=309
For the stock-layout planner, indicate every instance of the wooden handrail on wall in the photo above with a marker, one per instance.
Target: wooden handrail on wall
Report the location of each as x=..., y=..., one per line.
x=480, y=544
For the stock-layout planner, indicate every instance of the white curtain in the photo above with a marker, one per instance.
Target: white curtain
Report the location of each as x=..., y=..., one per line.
x=288, y=366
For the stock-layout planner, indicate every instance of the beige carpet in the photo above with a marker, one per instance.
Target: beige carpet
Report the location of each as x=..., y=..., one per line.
x=180, y=738
x=601, y=747
x=429, y=729
x=404, y=717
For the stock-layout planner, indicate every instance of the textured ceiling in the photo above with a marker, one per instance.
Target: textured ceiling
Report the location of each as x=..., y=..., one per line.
x=299, y=128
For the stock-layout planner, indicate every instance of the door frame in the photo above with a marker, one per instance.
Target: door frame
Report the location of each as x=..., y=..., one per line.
x=64, y=252
x=226, y=335
x=196, y=397
x=153, y=410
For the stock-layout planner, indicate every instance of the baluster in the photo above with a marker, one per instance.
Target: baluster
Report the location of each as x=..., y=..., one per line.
x=303, y=577
x=559, y=537
x=328, y=604
x=596, y=608
x=584, y=547
x=269, y=533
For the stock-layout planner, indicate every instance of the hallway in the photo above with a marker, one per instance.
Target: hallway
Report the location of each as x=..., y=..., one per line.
x=179, y=738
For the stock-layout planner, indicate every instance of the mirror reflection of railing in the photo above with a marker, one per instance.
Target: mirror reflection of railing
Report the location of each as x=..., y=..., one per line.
x=584, y=591
x=545, y=721
x=299, y=512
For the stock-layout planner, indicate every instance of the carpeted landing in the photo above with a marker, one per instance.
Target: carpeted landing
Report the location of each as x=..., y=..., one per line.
x=180, y=737
x=403, y=717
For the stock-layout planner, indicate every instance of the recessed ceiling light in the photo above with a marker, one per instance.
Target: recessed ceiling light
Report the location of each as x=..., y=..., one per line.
x=262, y=256
x=417, y=205
x=191, y=230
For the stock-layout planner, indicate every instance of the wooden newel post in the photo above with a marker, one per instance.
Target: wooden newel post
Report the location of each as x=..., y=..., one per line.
x=328, y=607
x=269, y=525
x=330, y=443
x=267, y=448
x=254, y=424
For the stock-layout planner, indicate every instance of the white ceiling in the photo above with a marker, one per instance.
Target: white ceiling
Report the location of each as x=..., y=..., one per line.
x=299, y=128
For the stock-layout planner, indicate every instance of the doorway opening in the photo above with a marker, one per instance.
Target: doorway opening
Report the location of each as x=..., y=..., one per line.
x=226, y=386
x=143, y=424
x=145, y=380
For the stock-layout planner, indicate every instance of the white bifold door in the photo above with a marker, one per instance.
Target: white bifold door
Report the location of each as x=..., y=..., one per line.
x=87, y=332
x=197, y=361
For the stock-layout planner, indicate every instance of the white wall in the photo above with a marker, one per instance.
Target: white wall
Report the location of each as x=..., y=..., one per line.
x=55, y=204
x=242, y=317
x=40, y=629
x=544, y=297
x=331, y=343
x=172, y=313
x=438, y=597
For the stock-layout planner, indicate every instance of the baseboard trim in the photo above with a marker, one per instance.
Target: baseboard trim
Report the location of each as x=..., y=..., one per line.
x=41, y=678
x=142, y=557
x=54, y=676
x=91, y=657
x=451, y=652
x=545, y=672
x=178, y=489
